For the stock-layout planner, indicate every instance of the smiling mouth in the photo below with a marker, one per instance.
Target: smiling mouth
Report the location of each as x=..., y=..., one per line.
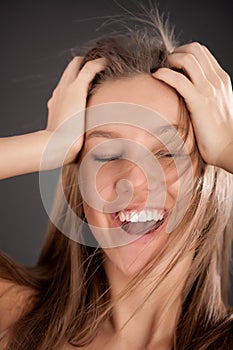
x=141, y=228
x=141, y=223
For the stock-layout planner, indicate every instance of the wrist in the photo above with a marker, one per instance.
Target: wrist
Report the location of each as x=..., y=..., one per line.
x=225, y=160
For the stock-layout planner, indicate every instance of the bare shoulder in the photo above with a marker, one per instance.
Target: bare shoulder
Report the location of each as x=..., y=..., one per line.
x=14, y=300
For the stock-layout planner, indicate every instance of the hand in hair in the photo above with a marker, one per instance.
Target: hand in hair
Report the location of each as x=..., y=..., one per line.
x=69, y=100
x=207, y=91
x=22, y=154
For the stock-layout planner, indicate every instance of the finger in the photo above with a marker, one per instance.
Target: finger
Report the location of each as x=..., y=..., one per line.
x=71, y=71
x=189, y=64
x=88, y=72
x=67, y=77
x=197, y=50
x=179, y=82
x=219, y=70
x=91, y=68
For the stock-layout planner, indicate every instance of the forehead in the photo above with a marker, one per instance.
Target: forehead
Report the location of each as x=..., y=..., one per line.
x=142, y=90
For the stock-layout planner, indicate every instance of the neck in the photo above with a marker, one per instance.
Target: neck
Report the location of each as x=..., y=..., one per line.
x=146, y=318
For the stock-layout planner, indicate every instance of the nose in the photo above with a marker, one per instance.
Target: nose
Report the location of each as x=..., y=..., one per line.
x=132, y=180
x=137, y=177
x=141, y=183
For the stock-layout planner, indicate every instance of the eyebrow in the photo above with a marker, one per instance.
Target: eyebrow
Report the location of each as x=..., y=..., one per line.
x=104, y=134
x=113, y=134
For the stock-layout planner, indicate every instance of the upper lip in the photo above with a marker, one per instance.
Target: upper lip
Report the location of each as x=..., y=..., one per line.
x=132, y=210
x=140, y=207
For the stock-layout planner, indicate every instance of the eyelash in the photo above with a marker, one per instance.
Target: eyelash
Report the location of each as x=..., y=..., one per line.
x=107, y=159
x=117, y=157
x=166, y=155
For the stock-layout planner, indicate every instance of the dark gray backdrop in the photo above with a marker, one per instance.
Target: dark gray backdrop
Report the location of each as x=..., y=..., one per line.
x=36, y=38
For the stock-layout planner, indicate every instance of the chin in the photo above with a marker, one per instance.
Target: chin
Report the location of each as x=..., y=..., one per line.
x=130, y=259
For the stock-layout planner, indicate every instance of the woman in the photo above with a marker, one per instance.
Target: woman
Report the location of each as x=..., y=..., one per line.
x=150, y=278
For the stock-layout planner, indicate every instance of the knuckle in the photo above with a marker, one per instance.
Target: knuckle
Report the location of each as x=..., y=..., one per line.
x=203, y=47
x=78, y=59
x=218, y=82
x=55, y=93
x=225, y=77
x=94, y=65
x=53, y=97
x=211, y=91
x=49, y=103
x=89, y=65
x=87, y=68
x=195, y=45
x=75, y=59
x=188, y=58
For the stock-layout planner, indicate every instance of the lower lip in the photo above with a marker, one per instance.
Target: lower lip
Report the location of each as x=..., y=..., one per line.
x=144, y=238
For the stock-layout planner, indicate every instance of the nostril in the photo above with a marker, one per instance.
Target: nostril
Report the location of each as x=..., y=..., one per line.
x=124, y=185
x=124, y=191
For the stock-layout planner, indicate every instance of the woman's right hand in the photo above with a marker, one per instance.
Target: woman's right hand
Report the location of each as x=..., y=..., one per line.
x=69, y=100
x=23, y=154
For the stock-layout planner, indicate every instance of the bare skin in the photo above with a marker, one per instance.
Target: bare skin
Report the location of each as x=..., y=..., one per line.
x=208, y=95
x=149, y=334
x=124, y=262
x=22, y=154
x=209, y=90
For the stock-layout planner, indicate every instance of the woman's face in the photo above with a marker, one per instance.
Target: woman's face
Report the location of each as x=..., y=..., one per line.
x=129, y=178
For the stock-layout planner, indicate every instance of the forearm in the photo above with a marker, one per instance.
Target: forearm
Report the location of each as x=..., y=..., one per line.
x=22, y=154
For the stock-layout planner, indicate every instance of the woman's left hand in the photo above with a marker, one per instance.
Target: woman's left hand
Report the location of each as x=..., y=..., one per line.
x=207, y=91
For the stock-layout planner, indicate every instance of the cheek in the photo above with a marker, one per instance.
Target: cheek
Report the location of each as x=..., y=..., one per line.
x=97, y=185
x=101, y=191
x=172, y=181
x=94, y=217
x=105, y=182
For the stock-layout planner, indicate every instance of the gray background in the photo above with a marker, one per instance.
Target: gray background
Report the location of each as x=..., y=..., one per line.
x=36, y=38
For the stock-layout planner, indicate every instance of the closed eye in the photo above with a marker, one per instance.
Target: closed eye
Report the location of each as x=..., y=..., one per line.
x=165, y=154
x=104, y=159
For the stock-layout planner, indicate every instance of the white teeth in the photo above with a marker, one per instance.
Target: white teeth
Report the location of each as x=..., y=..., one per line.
x=161, y=216
x=142, y=216
x=150, y=216
x=122, y=216
x=134, y=216
x=127, y=216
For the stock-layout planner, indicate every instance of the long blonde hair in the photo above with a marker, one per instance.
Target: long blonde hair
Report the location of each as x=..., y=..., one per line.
x=70, y=288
